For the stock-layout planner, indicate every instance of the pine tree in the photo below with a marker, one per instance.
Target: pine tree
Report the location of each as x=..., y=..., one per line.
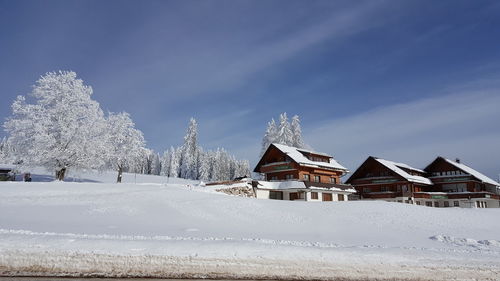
x=175, y=155
x=284, y=131
x=296, y=133
x=63, y=129
x=270, y=136
x=165, y=164
x=189, y=151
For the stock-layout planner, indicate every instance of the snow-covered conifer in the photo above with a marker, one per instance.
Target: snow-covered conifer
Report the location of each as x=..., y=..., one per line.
x=63, y=129
x=155, y=164
x=165, y=164
x=270, y=136
x=296, y=132
x=284, y=132
x=189, y=151
x=175, y=155
x=205, y=165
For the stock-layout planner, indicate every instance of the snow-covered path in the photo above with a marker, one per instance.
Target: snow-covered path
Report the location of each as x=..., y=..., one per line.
x=103, y=229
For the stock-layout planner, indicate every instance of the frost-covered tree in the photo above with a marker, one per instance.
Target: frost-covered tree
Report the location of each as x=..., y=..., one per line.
x=296, y=133
x=206, y=163
x=175, y=155
x=64, y=128
x=126, y=144
x=270, y=136
x=155, y=164
x=189, y=151
x=4, y=151
x=284, y=131
x=165, y=164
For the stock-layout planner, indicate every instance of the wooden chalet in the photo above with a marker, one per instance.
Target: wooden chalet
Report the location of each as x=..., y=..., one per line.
x=292, y=173
x=443, y=183
x=380, y=179
x=459, y=185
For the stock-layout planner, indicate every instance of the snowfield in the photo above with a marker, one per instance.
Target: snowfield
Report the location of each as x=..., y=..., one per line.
x=148, y=228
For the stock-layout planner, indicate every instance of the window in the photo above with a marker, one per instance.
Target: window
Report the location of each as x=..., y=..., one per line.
x=367, y=190
x=341, y=197
x=428, y=203
x=384, y=189
x=478, y=204
x=294, y=195
x=456, y=204
x=273, y=178
x=419, y=203
x=307, y=178
x=317, y=178
x=446, y=204
x=327, y=197
x=436, y=204
x=314, y=195
x=288, y=177
x=277, y=195
x=333, y=180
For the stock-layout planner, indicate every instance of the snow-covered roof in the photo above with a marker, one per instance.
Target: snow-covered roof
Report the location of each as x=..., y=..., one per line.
x=396, y=167
x=297, y=156
x=472, y=172
x=282, y=185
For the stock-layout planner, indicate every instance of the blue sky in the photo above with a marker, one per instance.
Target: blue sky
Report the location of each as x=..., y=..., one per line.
x=404, y=80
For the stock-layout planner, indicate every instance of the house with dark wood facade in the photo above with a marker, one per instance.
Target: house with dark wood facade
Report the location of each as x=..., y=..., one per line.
x=380, y=179
x=443, y=183
x=458, y=185
x=292, y=173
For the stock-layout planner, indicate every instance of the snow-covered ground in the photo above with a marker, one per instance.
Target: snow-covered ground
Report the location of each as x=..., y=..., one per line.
x=146, y=227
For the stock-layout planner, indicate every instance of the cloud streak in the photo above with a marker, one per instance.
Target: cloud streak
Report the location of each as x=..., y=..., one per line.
x=462, y=124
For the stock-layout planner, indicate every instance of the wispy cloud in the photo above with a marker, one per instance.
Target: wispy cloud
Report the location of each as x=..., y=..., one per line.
x=462, y=124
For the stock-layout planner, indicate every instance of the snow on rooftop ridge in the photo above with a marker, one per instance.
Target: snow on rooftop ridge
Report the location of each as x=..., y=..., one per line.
x=472, y=172
x=281, y=184
x=298, y=157
x=394, y=166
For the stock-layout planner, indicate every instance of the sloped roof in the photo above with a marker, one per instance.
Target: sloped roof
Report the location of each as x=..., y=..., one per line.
x=396, y=167
x=472, y=172
x=300, y=159
x=283, y=185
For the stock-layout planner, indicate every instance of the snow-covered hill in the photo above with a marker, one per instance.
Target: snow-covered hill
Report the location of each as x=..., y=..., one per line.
x=151, y=228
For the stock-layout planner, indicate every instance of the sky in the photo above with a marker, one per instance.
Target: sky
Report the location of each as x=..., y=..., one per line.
x=402, y=80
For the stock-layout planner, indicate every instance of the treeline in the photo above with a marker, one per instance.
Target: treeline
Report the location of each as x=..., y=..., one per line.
x=191, y=161
x=65, y=129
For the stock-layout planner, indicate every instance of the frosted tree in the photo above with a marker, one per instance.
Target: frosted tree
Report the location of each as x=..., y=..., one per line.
x=165, y=164
x=242, y=168
x=175, y=155
x=4, y=153
x=189, y=151
x=155, y=164
x=296, y=133
x=284, y=131
x=126, y=144
x=270, y=136
x=206, y=163
x=64, y=128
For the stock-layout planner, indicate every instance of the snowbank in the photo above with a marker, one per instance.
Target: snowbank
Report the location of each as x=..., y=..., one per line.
x=173, y=230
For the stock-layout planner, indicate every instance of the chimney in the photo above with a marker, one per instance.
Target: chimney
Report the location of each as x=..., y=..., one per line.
x=457, y=160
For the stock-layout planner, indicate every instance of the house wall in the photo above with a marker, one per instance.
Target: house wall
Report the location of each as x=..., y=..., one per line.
x=264, y=194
